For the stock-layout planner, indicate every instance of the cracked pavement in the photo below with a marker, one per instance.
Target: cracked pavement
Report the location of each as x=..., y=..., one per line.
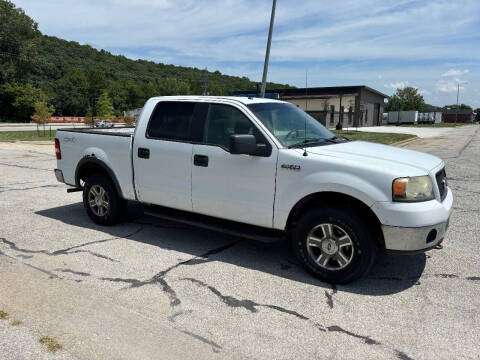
x=149, y=288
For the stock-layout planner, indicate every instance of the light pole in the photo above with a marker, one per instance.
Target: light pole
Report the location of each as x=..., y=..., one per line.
x=458, y=92
x=267, y=54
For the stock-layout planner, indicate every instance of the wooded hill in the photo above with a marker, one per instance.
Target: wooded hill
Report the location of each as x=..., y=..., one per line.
x=35, y=67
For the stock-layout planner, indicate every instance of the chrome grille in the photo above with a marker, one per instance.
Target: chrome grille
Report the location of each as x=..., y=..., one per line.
x=441, y=177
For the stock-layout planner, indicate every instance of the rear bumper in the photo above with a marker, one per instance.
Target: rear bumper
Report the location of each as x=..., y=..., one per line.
x=59, y=175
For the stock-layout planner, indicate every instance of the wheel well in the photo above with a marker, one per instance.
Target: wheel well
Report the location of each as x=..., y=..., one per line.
x=328, y=198
x=89, y=168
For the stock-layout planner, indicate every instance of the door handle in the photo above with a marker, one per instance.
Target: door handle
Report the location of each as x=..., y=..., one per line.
x=143, y=153
x=200, y=160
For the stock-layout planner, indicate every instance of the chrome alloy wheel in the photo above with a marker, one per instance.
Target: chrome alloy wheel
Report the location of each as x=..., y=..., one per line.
x=98, y=200
x=330, y=246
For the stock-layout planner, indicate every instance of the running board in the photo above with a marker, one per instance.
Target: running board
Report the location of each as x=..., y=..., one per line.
x=233, y=228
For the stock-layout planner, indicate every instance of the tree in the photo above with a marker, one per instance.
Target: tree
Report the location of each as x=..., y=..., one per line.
x=42, y=115
x=406, y=99
x=74, y=76
x=89, y=117
x=129, y=120
x=17, y=45
x=105, y=107
x=70, y=94
x=18, y=101
x=460, y=107
x=95, y=86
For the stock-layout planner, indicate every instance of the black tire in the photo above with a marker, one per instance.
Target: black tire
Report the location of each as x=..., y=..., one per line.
x=116, y=206
x=361, y=254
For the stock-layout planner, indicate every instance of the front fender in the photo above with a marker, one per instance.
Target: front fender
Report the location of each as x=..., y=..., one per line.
x=291, y=191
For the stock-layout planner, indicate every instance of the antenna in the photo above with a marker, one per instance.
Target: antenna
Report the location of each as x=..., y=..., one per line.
x=306, y=108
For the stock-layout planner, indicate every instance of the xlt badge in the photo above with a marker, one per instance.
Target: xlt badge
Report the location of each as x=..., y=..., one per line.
x=291, y=167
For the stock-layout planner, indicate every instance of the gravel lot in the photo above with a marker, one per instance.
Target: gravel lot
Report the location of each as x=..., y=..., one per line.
x=149, y=289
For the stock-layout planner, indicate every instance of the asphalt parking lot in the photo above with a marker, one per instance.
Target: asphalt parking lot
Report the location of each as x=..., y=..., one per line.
x=150, y=289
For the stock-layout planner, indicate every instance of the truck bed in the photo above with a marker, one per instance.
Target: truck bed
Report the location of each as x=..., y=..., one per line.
x=119, y=131
x=111, y=146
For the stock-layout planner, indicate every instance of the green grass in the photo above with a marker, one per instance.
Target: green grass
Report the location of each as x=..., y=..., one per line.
x=381, y=138
x=3, y=315
x=27, y=135
x=440, y=125
x=51, y=344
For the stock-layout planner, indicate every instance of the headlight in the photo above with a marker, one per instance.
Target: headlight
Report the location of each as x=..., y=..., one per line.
x=413, y=189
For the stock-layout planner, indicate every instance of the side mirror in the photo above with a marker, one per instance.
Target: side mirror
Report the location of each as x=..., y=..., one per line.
x=243, y=144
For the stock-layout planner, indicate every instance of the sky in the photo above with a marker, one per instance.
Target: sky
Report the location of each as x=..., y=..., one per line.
x=433, y=45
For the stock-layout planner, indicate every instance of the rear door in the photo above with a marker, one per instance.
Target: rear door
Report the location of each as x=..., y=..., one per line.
x=234, y=187
x=162, y=156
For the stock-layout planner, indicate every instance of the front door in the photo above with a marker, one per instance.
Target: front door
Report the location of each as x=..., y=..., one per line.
x=234, y=187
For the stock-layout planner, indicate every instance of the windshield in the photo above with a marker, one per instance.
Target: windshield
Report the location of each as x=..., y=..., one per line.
x=288, y=124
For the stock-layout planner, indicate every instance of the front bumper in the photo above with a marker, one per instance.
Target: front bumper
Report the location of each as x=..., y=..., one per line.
x=407, y=226
x=412, y=240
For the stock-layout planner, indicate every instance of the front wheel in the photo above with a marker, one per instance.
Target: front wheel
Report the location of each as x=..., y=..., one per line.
x=334, y=244
x=101, y=200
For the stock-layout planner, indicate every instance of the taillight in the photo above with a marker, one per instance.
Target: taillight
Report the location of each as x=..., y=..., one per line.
x=58, y=152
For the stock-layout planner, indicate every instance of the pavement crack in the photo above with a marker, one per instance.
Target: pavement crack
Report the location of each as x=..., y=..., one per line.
x=330, y=296
x=251, y=306
x=68, y=251
x=49, y=273
x=64, y=251
x=120, y=280
x=31, y=188
x=199, y=259
x=285, y=311
x=368, y=340
x=440, y=275
x=159, y=278
x=228, y=300
x=25, y=167
x=173, y=317
x=80, y=273
x=215, y=347
x=93, y=253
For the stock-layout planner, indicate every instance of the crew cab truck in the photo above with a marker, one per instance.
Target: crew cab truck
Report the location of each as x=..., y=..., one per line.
x=266, y=170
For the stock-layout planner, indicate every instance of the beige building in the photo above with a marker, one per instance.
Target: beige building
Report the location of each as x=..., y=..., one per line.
x=353, y=106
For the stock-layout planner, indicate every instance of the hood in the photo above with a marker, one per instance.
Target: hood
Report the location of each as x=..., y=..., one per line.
x=361, y=151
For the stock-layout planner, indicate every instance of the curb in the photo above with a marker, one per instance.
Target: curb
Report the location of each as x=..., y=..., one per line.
x=405, y=142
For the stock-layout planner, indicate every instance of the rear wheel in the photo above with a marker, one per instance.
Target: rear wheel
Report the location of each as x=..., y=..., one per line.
x=101, y=200
x=334, y=244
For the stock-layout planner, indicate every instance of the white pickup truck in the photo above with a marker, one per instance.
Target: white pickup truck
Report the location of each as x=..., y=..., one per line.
x=266, y=170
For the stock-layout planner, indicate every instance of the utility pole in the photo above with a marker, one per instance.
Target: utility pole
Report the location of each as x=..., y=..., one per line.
x=458, y=92
x=456, y=109
x=267, y=54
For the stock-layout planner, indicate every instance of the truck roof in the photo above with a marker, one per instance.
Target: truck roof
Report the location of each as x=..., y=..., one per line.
x=238, y=99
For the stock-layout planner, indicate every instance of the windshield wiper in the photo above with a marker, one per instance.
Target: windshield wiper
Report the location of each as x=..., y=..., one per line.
x=336, y=139
x=306, y=141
